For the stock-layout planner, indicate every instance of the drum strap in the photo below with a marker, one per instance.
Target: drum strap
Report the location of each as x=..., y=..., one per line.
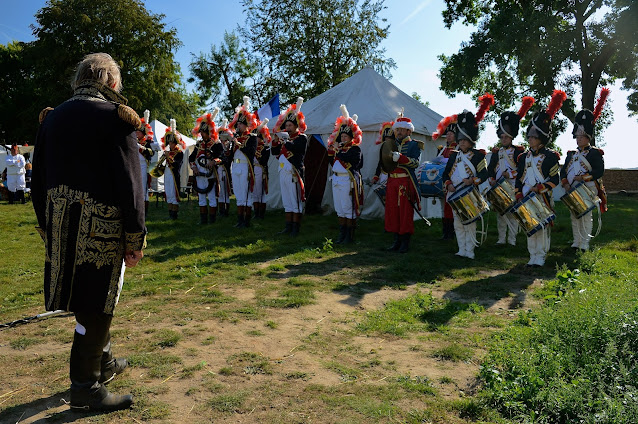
x=504, y=157
x=584, y=161
x=532, y=167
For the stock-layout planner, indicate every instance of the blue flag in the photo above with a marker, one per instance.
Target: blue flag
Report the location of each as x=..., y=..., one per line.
x=270, y=109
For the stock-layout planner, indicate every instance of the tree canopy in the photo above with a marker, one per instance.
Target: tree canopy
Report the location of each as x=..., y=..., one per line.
x=531, y=47
x=298, y=48
x=40, y=71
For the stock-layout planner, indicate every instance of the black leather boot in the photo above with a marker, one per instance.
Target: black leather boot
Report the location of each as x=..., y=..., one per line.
x=98, y=398
x=342, y=234
x=294, y=229
x=396, y=244
x=111, y=369
x=405, y=242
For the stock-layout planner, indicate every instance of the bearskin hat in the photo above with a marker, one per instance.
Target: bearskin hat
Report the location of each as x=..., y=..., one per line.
x=467, y=122
x=541, y=124
x=346, y=125
x=244, y=116
x=584, y=123
x=509, y=123
x=294, y=115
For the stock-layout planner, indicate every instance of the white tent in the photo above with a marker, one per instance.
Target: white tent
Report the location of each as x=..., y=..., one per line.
x=375, y=100
x=159, y=129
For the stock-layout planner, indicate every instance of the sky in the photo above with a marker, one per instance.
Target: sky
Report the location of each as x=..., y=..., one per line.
x=417, y=37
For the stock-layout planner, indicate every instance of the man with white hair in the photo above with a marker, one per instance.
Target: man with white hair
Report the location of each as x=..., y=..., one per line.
x=91, y=217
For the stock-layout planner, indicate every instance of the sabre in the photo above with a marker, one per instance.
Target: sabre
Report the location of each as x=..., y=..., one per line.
x=419, y=212
x=28, y=319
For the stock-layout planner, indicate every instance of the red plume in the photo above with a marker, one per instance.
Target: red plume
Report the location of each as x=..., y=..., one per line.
x=443, y=124
x=558, y=97
x=528, y=102
x=487, y=101
x=601, y=103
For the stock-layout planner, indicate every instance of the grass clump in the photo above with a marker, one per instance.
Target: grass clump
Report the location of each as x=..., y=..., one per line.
x=399, y=316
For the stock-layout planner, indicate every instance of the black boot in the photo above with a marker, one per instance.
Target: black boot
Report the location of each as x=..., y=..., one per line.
x=294, y=230
x=348, y=239
x=98, y=398
x=287, y=229
x=405, y=242
x=342, y=234
x=247, y=215
x=212, y=214
x=111, y=369
x=396, y=244
x=240, y=222
x=21, y=196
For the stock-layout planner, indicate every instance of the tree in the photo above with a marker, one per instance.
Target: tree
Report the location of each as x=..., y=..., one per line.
x=67, y=30
x=533, y=46
x=222, y=75
x=305, y=47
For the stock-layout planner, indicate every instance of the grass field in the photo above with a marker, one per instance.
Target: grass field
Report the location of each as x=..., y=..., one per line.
x=226, y=325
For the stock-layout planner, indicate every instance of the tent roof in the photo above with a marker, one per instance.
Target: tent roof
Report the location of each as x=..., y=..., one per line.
x=159, y=130
x=373, y=98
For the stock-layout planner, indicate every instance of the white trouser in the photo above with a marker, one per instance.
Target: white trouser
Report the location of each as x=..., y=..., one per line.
x=169, y=187
x=538, y=246
x=143, y=171
x=224, y=195
x=202, y=183
x=504, y=230
x=290, y=191
x=342, y=196
x=581, y=229
x=241, y=186
x=465, y=237
x=258, y=190
x=16, y=182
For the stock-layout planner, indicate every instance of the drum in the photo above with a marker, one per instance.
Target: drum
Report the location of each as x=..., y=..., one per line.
x=468, y=204
x=430, y=178
x=580, y=199
x=501, y=196
x=380, y=191
x=532, y=214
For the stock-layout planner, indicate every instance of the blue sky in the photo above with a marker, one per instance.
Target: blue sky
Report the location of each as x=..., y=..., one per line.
x=417, y=37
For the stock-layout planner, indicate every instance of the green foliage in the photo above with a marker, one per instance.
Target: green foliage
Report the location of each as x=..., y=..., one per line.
x=418, y=384
x=531, y=47
x=454, y=352
x=576, y=359
x=306, y=47
x=221, y=75
x=67, y=30
x=228, y=403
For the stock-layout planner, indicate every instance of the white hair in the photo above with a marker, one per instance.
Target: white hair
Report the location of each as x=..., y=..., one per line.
x=98, y=67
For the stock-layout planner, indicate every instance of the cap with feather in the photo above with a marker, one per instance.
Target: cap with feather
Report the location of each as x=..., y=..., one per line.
x=145, y=126
x=346, y=124
x=584, y=122
x=244, y=116
x=206, y=123
x=540, y=125
x=403, y=122
x=445, y=125
x=294, y=115
x=172, y=135
x=263, y=132
x=385, y=131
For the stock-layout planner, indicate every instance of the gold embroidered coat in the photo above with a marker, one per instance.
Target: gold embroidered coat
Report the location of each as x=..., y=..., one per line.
x=88, y=198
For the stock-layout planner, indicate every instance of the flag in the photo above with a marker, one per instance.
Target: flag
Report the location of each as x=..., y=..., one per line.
x=270, y=109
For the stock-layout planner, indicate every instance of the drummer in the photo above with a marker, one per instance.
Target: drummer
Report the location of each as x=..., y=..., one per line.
x=504, y=163
x=586, y=165
x=465, y=167
x=538, y=173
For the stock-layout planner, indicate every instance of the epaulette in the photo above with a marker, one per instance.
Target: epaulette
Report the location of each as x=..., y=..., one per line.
x=556, y=153
x=602, y=152
x=519, y=156
x=44, y=113
x=420, y=143
x=129, y=115
x=482, y=151
x=495, y=149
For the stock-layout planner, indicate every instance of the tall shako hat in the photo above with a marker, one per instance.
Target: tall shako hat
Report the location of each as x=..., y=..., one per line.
x=145, y=126
x=173, y=135
x=345, y=124
x=206, y=123
x=585, y=119
x=467, y=123
x=445, y=125
x=403, y=122
x=510, y=122
x=385, y=131
x=244, y=116
x=541, y=124
x=263, y=132
x=294, y=115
